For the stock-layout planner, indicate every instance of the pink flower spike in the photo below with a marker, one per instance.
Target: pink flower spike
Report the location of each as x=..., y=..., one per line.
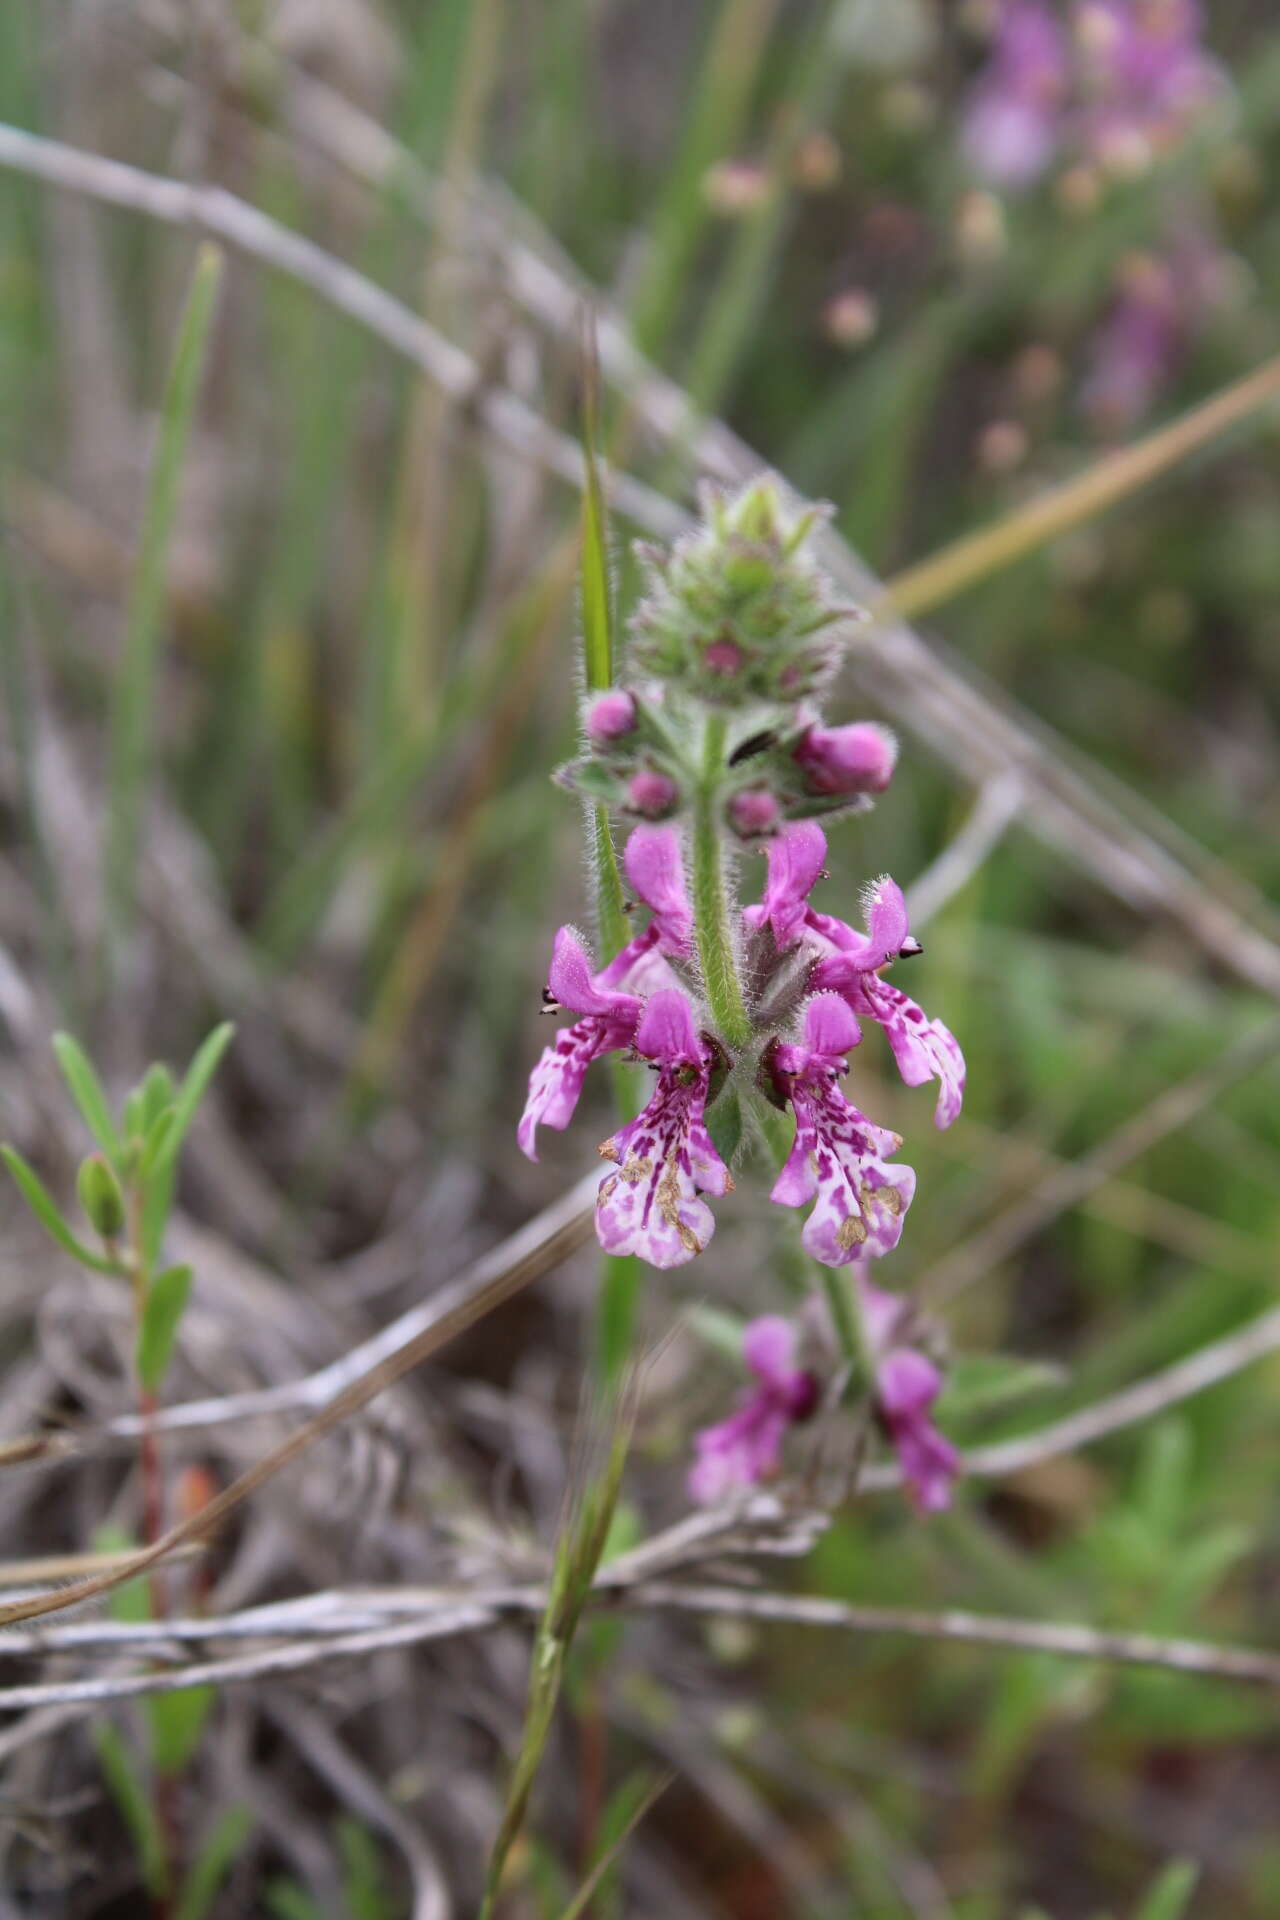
x=654, y=865
x=747, y=1447
x=665, y=1159
x=610, y=717
x=857, y=759
x=906, y=1387
x=795, y=863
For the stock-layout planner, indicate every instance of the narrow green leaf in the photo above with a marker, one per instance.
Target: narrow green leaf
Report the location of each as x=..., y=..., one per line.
x=177, y=1721
x=721, y=1330
x=86, y=1090
x=620, y=1276
x=158, y=1092
x=42, y=1205
x=597, y=591
x=1171, y=1895
x=630, y=1820
x=134, y=1803
x=159, y=1327
x=133, y=697
x=160, y=1182
x=987, y=1382
x=215, y=1859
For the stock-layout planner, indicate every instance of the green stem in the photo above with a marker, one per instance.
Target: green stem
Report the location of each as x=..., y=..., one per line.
x=710, y=901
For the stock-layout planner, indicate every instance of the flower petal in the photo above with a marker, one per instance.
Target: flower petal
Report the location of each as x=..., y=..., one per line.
x=795, y=862
x=556, y=1080
x=739, y=1452
x=666, y=1031
x=650, y=1205
x=924, y=1049
x=769, y=1349
x=839, y=1160
x=907, y=1384
x=576, y=986
x=830, y=1026
x=654, y=866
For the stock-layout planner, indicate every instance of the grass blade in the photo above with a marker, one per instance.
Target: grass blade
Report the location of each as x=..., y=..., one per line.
x=135, y=686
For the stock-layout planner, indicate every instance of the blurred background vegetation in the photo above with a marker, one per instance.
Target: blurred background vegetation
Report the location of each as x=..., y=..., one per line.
x=336, y=734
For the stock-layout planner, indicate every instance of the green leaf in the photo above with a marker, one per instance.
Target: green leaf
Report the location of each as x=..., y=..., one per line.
x=41, y=1204
x=86, y=1090
x=215, y=1859
x=597, y=590
x=719, y=1329
x=724, y=1124
x=177, y=1721
x=157, y=1092
x=160, y=1181
x=1171, y=1895
x=134, y=1802
x=627, y=1809
x=985, y=1382
x=620, y=1278
x=159, y=1327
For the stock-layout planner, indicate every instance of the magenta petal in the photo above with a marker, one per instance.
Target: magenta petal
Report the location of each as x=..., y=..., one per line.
x=654, y=866
x=739, y=1452
x=830, y=1026
x=924, y=1049
x=887, y=925
x=649, y=1204
x=906, y=1387
x=769, y=1349
x=574, y=984
x=666, y=1031
x=840, y=1161
x=795, y=862
x=556, y=1080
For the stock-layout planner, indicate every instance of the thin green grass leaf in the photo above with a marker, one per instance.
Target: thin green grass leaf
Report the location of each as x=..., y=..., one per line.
x=134, y=693
x=134, y=1803
x=1170, y=1897
x=214, y=1861
x=591, y=1885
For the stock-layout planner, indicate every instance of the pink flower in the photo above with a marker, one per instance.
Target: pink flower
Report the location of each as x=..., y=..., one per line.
x=747, y=1447
x=610, y=1002
x=857, y=759
x=1014, y=121
x=907, y=1384
x=611, y=716
x=665, y=1159
x=839, y=1158
x=795, y=865
x=923, y=1048
x=849, y=963
x=608, y=1024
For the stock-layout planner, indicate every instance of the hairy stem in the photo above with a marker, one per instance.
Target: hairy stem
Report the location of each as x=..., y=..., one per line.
x=710, y=899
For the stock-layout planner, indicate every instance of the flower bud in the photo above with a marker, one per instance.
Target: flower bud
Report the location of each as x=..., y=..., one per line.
x=610, y=717
x=101, y=1196
x=754, y=812
x=849, y=760
x=652, y=795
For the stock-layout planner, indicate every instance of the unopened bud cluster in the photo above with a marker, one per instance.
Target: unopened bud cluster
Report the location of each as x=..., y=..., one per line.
x=737, y=619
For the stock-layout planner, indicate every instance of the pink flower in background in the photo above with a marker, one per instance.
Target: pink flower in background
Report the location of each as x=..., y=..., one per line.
x=1111, y=82
x=907, y=1385
x=665, y=1159
x=747, y=1447
x=839, y=1159
x=1162, y=303
x=1015, y=118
